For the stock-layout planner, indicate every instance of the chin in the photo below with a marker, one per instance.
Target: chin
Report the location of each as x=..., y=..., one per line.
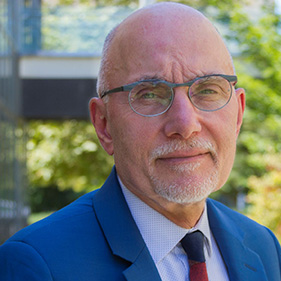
x=189, y=191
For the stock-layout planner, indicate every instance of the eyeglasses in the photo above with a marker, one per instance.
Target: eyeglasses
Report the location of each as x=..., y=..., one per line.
x=154, y=97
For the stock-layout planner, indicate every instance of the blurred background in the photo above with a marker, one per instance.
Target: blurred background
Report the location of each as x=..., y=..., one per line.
x=49, y=58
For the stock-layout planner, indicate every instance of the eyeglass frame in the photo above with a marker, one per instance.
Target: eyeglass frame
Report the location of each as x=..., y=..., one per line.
x=129, y=88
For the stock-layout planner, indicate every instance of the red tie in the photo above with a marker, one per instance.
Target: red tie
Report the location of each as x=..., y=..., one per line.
x=192, y=243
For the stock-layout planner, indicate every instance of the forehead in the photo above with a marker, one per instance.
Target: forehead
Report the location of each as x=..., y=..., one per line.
x=174, y=45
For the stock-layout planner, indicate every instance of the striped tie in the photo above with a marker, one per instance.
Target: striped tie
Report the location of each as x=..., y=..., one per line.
x=192, y=243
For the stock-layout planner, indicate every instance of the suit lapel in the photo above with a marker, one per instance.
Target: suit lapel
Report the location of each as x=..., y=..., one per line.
x=143, y=268
x=121, y=232
x=241, y=262
x=125, y=240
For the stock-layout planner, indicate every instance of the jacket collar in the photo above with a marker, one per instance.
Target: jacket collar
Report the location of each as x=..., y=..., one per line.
x=121, y=232
x=241, y=262
x=125, y=240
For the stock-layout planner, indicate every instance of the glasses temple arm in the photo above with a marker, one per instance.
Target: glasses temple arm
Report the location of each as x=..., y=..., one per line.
x=115, y=90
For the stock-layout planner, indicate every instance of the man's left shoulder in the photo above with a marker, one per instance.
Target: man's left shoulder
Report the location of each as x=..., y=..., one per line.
x=240, y=237
x=221, y=216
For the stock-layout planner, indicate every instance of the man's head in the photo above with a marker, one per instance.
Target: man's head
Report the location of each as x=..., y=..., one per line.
x=184, y=154
x=155, y=25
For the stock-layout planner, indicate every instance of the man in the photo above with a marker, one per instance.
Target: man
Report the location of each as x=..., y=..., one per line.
x=170, y=115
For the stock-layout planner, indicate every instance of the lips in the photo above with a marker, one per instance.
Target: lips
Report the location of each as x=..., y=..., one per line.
x=183, y=154
x=179, y=157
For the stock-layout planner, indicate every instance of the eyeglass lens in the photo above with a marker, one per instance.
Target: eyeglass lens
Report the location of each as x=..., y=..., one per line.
x=153, y=98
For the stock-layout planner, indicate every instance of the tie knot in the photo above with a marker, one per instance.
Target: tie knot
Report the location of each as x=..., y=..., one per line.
x=193, y=244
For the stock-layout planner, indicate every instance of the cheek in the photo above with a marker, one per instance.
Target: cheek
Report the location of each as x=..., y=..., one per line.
x=226, y=143
x=130, y=139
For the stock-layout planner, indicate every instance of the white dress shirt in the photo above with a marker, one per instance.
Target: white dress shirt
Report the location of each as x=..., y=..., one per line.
x=162, y=238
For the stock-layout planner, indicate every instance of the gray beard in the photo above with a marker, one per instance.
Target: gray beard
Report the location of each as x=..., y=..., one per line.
x=188, y=192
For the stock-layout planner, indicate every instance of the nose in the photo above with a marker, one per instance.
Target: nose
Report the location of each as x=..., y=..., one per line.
x=182, y=119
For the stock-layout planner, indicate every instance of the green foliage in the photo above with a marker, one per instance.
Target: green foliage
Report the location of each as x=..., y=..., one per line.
x=259, y=149
x=221, y=5
x=97, y=2
x=66, y=155
x=38, y=216
x=51, y=198
x=79, y=29
x=265, y=194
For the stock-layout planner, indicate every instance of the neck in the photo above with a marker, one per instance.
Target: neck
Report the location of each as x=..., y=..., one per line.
x=183, y=215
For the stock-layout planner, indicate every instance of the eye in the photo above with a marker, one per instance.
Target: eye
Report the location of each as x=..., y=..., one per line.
x=150, y=98
x=147, y=95
x=207, y=92
x=151, y=94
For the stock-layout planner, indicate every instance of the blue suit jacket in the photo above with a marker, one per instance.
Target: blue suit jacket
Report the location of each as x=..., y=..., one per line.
x=96, y=238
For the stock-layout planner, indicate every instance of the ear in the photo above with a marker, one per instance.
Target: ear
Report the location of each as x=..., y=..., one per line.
x=241, y=99
x=99, y=119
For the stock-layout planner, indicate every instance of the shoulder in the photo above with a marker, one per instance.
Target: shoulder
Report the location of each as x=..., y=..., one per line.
x=70, y=244
x=239, y=236
x=252, y=234
x=59, y=245
x=226, y=216
x=73, y=226
x=76, y=213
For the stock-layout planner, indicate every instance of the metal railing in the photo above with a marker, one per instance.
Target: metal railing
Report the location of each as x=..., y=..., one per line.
x=13, y=210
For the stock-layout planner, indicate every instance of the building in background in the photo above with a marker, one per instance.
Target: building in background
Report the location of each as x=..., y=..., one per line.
x=60, y=57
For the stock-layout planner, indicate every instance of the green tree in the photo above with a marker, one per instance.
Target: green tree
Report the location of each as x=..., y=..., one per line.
x=259, y=148
x=66, y=155
x=265, y=194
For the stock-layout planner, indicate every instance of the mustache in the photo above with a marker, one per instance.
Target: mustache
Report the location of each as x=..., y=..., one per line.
x=184, y=146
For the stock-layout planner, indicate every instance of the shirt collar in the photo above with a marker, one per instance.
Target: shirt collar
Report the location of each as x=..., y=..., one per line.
x=161, y=235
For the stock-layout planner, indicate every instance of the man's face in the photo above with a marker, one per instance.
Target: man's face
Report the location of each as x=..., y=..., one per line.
x=184, y=154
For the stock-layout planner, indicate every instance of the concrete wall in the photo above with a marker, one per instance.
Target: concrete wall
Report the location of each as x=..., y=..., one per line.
x=57, y=87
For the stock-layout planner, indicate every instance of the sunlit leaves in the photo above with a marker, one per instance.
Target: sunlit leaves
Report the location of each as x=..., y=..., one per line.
x=259, y=145
x=265, y=194
x=66, y=154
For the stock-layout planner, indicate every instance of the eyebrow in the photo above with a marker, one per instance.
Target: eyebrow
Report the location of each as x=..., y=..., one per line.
x=154, y=77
